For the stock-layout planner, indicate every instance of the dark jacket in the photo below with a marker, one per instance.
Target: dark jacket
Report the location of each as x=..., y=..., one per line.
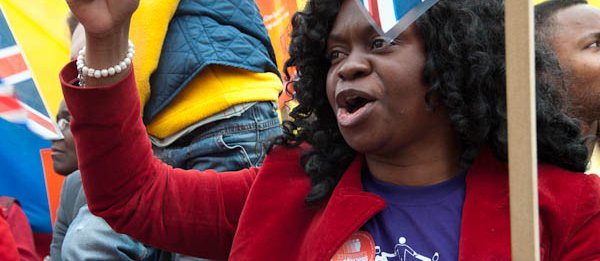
x=72, y=198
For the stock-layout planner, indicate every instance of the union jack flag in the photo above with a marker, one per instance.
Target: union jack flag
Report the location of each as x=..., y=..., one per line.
x=20, y=101
x=391, y=17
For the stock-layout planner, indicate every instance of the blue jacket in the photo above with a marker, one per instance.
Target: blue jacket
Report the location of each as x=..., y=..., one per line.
x=79, y=235
x=205, y=32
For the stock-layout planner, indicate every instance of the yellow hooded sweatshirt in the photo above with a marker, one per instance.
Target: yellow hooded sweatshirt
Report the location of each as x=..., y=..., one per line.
x=215, y=89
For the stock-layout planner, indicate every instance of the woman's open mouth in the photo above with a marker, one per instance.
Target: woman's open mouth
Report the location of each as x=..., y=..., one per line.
x=353, y=107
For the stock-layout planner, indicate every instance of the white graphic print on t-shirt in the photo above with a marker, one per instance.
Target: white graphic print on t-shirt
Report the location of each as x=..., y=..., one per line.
x=403, y=252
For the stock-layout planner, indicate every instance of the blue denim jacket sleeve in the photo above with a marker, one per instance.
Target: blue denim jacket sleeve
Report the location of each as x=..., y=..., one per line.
x=90, y=238
x=79, y=235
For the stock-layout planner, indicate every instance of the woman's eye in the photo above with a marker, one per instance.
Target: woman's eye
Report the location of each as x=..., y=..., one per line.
x=594, y=45
x=334, y=55
x=380, y=43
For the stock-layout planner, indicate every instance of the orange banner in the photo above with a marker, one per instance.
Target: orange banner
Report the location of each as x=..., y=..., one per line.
x=277, y=15
x=54, y=182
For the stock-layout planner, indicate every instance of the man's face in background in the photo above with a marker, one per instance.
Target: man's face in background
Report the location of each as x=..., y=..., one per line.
x=576, y=42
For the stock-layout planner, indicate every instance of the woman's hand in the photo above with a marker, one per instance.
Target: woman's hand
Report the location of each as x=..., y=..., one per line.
x=106, y=24
x=101, y=18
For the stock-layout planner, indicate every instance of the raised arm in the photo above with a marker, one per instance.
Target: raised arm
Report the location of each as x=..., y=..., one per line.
x=137, y=194
x=180, y=211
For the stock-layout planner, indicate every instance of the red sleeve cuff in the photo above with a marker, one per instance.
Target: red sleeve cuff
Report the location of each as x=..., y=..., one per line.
x=68, y=77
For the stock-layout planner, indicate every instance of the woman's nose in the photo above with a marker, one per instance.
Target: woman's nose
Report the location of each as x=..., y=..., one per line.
x=354, y=66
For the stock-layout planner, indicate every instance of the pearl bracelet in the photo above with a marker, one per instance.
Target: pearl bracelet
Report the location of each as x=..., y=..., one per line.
x=85, y=71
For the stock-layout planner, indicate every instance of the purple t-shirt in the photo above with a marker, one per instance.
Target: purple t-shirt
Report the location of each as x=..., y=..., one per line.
x=419, y=223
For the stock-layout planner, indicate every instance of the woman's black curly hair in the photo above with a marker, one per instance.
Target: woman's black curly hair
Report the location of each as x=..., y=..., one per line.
x=465, y=69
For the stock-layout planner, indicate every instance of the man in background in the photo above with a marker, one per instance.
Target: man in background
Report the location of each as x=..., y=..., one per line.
x=571, y=29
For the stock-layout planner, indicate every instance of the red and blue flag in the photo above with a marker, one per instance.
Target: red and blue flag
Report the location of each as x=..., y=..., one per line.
x=20, y=101
x=25, y=127
x=392, y=17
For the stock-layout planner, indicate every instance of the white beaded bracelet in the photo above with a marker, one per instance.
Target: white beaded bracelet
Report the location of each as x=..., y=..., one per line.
x=85, y=71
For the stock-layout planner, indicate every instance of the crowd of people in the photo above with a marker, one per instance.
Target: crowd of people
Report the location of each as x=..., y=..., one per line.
x=397, y=148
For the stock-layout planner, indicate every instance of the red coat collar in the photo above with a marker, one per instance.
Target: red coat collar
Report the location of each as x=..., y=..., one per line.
x=485, y=228
x=348, y=209
x=317, y=233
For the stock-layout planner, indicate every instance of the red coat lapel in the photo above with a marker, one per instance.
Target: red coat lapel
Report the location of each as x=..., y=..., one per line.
x=346, y=211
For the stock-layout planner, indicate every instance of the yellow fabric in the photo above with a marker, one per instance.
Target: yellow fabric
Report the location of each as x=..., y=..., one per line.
x=148, y=30
x=595, y=160
x=301, y=4
x=592, y=2
x=40, y=30
x=215, y=89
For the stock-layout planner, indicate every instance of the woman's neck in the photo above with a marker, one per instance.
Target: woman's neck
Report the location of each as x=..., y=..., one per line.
x=425, y=166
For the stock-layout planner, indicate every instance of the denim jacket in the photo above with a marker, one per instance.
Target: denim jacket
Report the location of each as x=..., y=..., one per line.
x=79, y=235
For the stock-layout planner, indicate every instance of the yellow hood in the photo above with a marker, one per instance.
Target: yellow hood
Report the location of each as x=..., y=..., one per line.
x=148, y=30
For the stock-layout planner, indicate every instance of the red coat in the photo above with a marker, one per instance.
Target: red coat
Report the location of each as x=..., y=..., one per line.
x=19, y=227
x=259, y=214
x=8, y=247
